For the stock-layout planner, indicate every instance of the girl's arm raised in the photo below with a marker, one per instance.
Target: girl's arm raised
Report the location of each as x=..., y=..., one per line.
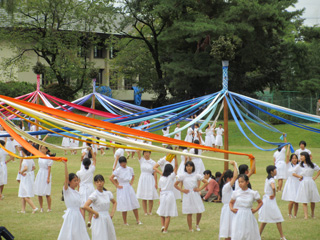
x=235, y=173
x=288, y=155
x=253, y=169
x=94, y=158
x=115, y=163
x=89, y=209
x=139, y=154
x=175, y=170
x=66, y=176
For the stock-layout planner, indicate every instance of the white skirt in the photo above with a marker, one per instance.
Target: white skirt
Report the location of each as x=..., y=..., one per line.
x=146, y=187
x=199, y=166
x=188, y=138
x=10, y=145
x=208, y=141
x=85, y=191
x=102, y=227
x=1, y=176
x=307, y=191
x=290, y=189
x=213, y=139
x=65, y=142
x=126, y=198
x=41, y=187
x=219, y=141
x=4, y=173
x=192, y=203
x=168, y=206
x=181, y=168
x=26, y=186
x=73, y=227
x=176, y=193
x=269, y=212
x=281, y=170
x=245, y=226
x=226, y=218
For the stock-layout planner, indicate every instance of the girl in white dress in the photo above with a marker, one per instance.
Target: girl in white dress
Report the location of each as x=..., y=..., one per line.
x=26, y=183
x=270, y=212
x=189, y=136
x=192, y=202
x=147, y=186
x=119, y=153
x=226, y=216
x=177, y=136
x=168, y=206
x=279, y=158
x=292, y=184
x=101, y=146
x=102, y=225
x=3, y=166
x=302, y=145
x=307, y=191
x=89, y=152
x=219, y=134
x=209, y=137
x=65, y=143
x=184, y=159
x=74, y=143
x=126, y=197
x=86, y=187
x=73, y=227
x=244, y=169
x=197, y=160
x=244, y=224
x=42, y=183
x=165, y=131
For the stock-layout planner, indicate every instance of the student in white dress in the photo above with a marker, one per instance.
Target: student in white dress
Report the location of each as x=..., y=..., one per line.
x=86, y=187
x=219, y=134
x=74, y=143
x=244, y=169
x=226, y=215
x=302, y=145
x=209, y=139
x=197, y=133
x=11, y=147
x=292, y=184
x=165, y=131
x=88, y=152
x=307, y=191
x=42, y=183
x=279, y=158
x=270, y=212
x=189, y=136
x=197, y=160
x=101, y=146
x=3, y=166
x=126, y=197
x=65, y=143
x=177, y=136
x=119, y=153
x=168, y=206
x=192, y=202
x=244, y=224
x=102, y=225
x=184, y=159
x=26, y=183
x=73, y=227
x=147, y=186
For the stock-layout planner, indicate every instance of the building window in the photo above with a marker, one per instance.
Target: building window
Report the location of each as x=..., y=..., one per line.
x=100, y=78
x=98, y=51
x=112, y=52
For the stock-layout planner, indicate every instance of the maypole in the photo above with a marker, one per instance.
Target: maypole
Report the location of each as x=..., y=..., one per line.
x=225, y=65
x=93, y=104
x=37, y=97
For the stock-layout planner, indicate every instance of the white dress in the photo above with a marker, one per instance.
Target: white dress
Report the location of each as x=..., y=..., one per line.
x=74, y=143
x=280, y=163
x=119, y=153
x=226, y=216
x=86, y=187
x=146, y=187
x=26, y=182
x=126, y=197
x=10, y=145
x=73, y=227
x=41, y=187
x=269, y=212
x=192, y=202
x=244, y=224
x=162, y=163
x=102, y=227
x=182, y=163
x=3, y=165
x=199, y=166
x=1, y=176
x=168, y=206
x=307, y=191
x=189, y=136
x=299, y=151
x=209, y=137
x=219, y=132
x=177, y=136
x=292, y=184
x=65, y=142
x=196, y=137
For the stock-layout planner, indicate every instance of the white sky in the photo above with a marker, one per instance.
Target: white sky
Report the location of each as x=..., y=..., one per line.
x=312, y=11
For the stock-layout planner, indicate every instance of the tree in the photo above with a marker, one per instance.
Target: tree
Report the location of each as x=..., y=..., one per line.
x=60, y=33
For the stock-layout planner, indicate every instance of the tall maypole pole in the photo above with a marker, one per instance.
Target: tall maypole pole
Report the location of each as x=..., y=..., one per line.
x=225, y=79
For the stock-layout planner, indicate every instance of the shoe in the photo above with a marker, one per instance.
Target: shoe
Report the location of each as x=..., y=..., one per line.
x=146, y=214
x=21, y=212
x=49, y=210
x=162, y=229
x=126, y=224
x=35, y=210
x=165, y=232
x=198, y=228
x=89, y=224
x=139, y=223
x=284, y=238
x=41, y=210
x=191, y=230
x=290, y=216
x=150, y=213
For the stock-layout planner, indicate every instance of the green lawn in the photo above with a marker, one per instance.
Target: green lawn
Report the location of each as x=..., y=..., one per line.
x=47, y=225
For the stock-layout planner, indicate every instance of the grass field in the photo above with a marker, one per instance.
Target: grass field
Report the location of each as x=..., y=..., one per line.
x=47, y=225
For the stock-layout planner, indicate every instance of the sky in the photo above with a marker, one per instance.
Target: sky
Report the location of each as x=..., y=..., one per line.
x=312, y=11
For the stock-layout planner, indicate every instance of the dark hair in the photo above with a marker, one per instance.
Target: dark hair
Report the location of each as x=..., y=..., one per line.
x=220, y=124
x=168, y=169
x=292, y=157
x=122, y=159
x=227, y=174
x=303, y=142
x=169, y=147
x=86, y=163
x=243, y=168
x=218, y=174
x=196, y=150
x=189, y=163
x=182, y=147
x=145, y=152
x=98, y=177
x=207, y=172
x=245, y=177
x=308, y=160
x=279, y=148
x=177, y=123
x=197, y=124
x=20, y=124
x=26, y=152
x=3, y=143
x=207, y=126
x=72, y=176
x=89, y=142
x=165, y=128
x=269, y=169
